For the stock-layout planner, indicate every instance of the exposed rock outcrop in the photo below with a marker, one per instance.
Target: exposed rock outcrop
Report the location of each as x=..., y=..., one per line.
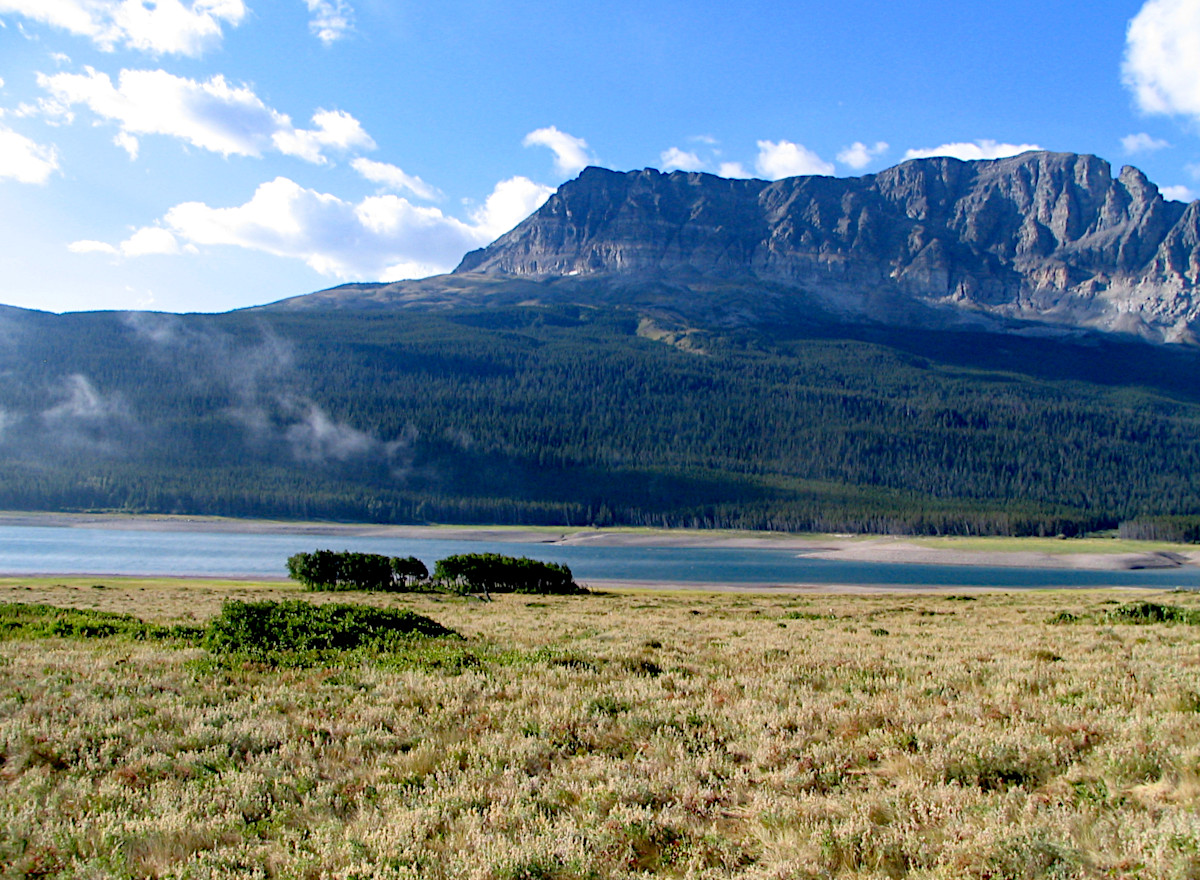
x=1049, y=237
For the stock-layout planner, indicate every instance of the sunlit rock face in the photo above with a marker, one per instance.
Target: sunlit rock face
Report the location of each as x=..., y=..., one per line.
x=1046, y=237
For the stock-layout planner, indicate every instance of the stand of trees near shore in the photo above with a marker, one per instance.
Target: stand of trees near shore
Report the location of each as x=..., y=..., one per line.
x=485, y=573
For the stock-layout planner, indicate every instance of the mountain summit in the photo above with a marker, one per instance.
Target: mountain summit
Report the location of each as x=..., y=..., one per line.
x=1045, y=237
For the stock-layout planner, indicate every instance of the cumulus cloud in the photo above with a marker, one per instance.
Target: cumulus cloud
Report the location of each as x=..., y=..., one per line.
x=395, y=179
x=984, y=149
x=510, y=202
x=1142, y=143
x=24, y=160
x=1162, y=57
x=1178, y=193
x=787, y=159
x=732, y=169
x=858, y=155
x=159, y=27
x=213, y=114
x=331, y=19
x=148, y=241
x=570, y=153
x=380, y=237
x=676, y=159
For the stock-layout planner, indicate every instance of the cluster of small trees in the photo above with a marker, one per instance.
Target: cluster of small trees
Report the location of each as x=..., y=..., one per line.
x=327, y=570
x=462, y=573
x=494, y=573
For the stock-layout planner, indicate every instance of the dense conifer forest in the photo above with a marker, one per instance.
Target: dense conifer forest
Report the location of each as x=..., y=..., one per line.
x=566, y=415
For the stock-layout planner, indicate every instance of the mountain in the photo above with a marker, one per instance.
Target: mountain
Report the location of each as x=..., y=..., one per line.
x=1049, y=238
x=944, y=347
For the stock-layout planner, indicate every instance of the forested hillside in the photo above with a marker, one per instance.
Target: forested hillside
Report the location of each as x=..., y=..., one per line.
x=566, y=415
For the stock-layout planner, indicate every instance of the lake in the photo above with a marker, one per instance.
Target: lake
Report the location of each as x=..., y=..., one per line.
x=29, y=550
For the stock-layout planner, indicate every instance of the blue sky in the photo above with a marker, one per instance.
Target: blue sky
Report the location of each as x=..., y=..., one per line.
x=203, y=155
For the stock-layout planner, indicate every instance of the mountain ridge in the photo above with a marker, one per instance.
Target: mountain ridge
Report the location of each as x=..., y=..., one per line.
x=1048, y=237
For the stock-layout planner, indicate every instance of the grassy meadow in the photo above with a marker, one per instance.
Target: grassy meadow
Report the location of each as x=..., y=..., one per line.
x=635, y=734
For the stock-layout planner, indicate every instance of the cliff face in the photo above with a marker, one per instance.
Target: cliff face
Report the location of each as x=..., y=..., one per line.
x=1042, y=236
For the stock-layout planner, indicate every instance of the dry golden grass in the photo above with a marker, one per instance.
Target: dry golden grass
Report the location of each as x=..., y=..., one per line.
x=622, y=735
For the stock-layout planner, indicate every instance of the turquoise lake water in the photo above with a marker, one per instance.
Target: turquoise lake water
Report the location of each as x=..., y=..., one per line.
x=101, y=551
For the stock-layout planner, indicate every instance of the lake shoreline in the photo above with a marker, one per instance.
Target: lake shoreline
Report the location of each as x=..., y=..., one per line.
x=1069, y=554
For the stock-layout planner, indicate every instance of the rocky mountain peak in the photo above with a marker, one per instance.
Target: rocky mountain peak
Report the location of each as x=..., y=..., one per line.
x=1043, y=236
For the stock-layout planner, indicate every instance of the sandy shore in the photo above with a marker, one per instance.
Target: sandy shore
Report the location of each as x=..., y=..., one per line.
x=1017, y=552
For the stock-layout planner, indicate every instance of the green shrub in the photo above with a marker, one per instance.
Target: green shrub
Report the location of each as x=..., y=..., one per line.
x=269, y=630
x=1152, y=612
x=30, y=621
x=494, y=573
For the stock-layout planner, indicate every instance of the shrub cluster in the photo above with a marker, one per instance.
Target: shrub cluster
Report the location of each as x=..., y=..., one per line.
x=327, y=570
x=268, y=629
x=461, y=573
x=23, y=621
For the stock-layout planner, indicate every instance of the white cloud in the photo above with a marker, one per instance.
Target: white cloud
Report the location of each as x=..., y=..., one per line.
x=510, y=202
x=984, y=149
x=150, y=240
x=335, y=129
x=570, y=152
x=159, y=27
x=676, y=159
x=395, y=179
x=147, y=241
x=1178, y=193
x=213, y=115
x=331, y=19
x=87, y=246
x=786, y=159
x=858, y=155
x=23, y=160
x=733, y=169
x=381, y=237
x=1142, y=143
x=128, y=143
x=1162, y=57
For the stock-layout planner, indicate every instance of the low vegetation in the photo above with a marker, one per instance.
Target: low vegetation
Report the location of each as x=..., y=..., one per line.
x=622, y=735
x=270, y=630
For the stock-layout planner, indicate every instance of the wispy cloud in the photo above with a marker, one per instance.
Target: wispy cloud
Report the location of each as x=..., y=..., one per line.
x=23, y=160
x=570, y=152
x=781, y=159
x=395, y=179
x=1178, y=193
x=982, y=149
x=212, y=114
x=858, y=155
x=331, y=19
x=1142, y=143
x=161, y=27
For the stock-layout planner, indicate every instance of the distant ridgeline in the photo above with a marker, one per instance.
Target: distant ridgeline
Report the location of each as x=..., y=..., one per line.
x=697, y=400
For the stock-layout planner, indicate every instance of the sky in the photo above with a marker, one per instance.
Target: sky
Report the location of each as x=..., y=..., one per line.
x=206, y=155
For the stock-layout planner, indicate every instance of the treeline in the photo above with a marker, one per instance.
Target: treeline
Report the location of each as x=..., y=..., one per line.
x=1176, y=529
x=484, y=573
x=563, y=416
